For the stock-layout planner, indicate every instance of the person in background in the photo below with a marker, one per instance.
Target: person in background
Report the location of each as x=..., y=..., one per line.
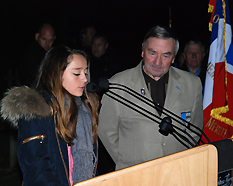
x=86, y=35
x=130, y=137
x=104, y=64
x=45, y=36
x=194, y=53
x=35, y=52
x=82, y=40
x=104, y=60
x=57, y=121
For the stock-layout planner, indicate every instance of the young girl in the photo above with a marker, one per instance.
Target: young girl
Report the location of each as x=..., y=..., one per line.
x=56, y=122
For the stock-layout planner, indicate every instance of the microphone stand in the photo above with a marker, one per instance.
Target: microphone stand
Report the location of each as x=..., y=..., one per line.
x=106, y=86
x=162, y=109
x=166, y=128
x=134, y=107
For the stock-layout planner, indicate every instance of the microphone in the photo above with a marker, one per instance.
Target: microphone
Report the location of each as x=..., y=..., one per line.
x=167, y=128
x=106, y=86
x=91, y=87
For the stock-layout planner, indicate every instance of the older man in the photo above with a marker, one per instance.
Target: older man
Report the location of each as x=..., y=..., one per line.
x=194, y=53
x=132, y=138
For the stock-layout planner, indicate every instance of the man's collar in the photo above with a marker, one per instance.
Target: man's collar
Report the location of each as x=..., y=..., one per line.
x=197, y=71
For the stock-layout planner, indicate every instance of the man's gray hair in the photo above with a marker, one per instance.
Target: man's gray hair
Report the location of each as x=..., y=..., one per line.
x=194, y=42
x=161, y=32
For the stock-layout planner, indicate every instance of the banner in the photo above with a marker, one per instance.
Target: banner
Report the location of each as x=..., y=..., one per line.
x=218, y=91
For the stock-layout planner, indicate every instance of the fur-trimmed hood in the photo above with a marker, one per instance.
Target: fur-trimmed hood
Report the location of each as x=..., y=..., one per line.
x=23, y=102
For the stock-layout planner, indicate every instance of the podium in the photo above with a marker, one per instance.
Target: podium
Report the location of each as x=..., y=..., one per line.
x=192, y=167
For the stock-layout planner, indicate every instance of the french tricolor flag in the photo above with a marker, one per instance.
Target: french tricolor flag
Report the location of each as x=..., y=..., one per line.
x=218, y=91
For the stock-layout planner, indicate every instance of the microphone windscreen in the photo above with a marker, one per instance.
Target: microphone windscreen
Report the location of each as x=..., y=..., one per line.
x=165, y=126
x=91, y=87
x=104, y=84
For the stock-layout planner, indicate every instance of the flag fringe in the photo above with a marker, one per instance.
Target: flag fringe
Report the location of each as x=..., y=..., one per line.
x=215, y=113
x=210, y=8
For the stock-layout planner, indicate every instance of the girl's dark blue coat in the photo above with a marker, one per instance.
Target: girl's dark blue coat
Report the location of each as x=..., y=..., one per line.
x=38, y=150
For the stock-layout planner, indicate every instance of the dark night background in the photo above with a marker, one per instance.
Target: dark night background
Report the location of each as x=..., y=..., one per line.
x=125, y=22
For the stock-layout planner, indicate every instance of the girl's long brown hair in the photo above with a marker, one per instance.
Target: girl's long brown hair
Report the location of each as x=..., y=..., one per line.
x=50, y=81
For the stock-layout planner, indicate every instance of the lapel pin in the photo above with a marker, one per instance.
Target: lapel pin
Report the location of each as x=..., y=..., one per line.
x=143, y=91
x=178, y=88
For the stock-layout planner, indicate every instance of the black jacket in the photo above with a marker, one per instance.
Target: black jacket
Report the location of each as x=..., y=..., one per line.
x=30, y=63
x=201, y=75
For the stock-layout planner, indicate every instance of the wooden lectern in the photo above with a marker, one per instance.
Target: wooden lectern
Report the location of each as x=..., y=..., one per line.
x=192, y=167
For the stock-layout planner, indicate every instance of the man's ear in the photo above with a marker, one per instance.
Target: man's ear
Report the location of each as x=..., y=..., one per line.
x=183, y=54
x=142, y=54
x=173, y=60
x=203, y=55
x=37, y=36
